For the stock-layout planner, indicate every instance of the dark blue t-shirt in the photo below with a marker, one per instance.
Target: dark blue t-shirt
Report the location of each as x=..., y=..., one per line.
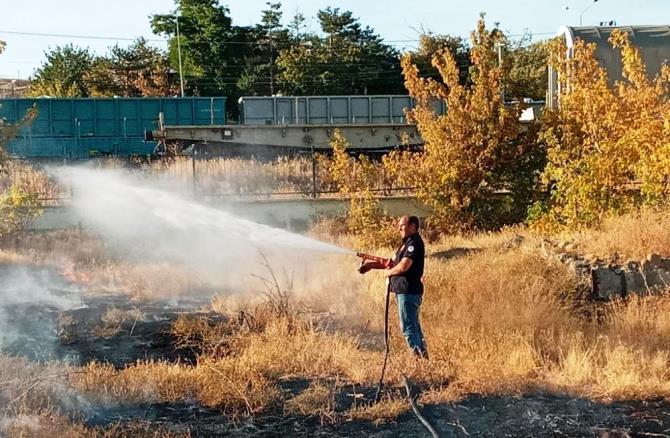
x=409, y=282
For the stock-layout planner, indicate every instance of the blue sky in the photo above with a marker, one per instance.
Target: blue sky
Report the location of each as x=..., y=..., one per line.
x=394, y=20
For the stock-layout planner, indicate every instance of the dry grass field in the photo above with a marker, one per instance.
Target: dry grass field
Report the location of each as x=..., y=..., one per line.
x=501, y=316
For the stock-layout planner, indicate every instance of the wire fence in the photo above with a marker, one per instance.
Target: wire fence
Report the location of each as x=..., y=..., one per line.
x=228, y=178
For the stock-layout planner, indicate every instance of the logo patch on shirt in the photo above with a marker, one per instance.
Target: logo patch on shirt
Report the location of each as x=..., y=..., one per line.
x=410, y=248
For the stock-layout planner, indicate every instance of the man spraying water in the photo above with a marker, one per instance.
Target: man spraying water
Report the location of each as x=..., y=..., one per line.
x=404, y=274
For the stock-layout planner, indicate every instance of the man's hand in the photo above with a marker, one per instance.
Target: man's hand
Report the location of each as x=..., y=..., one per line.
x=364, y=267
x=368, y=265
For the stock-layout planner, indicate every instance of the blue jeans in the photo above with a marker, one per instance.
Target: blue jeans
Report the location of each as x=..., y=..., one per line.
x=408, y=311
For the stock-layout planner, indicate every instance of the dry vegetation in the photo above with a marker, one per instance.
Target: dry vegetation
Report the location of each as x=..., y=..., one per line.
x=500, y=317
x=29, y=178
x=217, y=177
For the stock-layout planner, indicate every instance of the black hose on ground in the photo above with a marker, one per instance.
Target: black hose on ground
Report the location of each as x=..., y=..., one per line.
x=380, y=385
x=415, y=408
x=386, y=341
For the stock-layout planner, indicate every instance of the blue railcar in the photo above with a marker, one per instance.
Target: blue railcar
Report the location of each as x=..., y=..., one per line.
x=82, y=128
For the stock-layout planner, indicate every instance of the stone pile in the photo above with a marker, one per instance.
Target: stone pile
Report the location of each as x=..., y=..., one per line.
x=611, y=279
x=648, y=276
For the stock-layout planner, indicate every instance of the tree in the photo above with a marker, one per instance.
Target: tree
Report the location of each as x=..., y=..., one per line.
x=63, y=74
x=296, y=25
x=258, y=77
x=213, y=51
x=430, y=45
x=478, y=150
x=3, y=44
x=527, y=63
x=349, y=59
x=608, y=147
x=139, y=70
x=355, y=178
x=17, y=207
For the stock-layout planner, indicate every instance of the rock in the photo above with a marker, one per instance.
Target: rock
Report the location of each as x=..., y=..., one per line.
x=606, y=283
x=632, y=265
x=654, y=259
x=665, y=264
x=635, y=282
x=570, y=247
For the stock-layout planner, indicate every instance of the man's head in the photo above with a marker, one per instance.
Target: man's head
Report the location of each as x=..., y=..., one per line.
x=408, y=225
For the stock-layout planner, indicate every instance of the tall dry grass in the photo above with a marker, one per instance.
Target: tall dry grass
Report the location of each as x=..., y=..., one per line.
x=631, y=236
x=37, y=400
x=239, y=176
x=242, y=176
x=30, y=178
x=499, y=315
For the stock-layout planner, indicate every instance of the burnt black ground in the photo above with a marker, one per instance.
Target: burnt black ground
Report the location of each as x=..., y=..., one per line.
x=538, y=415
x=148, y=338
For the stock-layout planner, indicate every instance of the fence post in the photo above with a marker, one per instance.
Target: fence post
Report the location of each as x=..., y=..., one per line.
x=195, y=149
x=313, y=172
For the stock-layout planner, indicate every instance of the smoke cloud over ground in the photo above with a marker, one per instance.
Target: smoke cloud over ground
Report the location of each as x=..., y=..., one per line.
x=30, y=301
x=145, y=221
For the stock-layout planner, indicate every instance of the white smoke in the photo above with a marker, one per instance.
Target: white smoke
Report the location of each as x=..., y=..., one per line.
x=23, y=290
x=152, y=223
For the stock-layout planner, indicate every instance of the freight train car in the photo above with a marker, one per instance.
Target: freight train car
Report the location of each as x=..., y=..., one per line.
x=329, y=110
x=83, y=128
x=294, y=124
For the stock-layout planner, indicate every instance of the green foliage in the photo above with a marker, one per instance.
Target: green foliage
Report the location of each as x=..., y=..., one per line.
x=138, y=70
x=63, y=74
x=259, y=76
x=430, y=45
x=213, y=50
x=69, y=71
x=348, y=59
x=527, y=69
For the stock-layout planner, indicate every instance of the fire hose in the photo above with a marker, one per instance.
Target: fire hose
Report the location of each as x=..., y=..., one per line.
x=388, y=263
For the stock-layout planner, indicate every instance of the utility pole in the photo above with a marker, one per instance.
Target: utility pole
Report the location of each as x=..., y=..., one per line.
x=584, y=11
x=181, y=77
x=272, y=79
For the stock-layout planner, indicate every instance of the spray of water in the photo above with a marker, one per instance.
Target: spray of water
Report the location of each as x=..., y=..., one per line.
x=152, y=223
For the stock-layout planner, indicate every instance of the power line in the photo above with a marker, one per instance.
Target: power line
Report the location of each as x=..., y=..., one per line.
x=165, y=40
x=87, y=37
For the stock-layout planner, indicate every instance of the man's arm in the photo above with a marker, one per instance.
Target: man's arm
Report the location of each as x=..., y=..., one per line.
x=402, y=267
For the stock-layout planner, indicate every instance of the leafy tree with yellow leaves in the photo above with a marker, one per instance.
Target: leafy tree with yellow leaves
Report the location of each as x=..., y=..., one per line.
x=608, y=147
x=479, y=165
x=355, y=179
x=17, y=207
